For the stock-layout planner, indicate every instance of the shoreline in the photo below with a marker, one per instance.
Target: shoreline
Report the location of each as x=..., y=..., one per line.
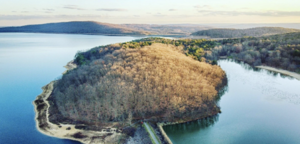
x=70, y=66
x=66, y=131
x=289, y=73
x=95, y=34
x=41, y=116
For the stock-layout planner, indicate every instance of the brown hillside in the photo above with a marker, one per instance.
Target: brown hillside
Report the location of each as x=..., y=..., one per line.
x=155, y=82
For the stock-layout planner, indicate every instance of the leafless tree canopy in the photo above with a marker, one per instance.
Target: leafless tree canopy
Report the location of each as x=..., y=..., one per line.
x=123, y=84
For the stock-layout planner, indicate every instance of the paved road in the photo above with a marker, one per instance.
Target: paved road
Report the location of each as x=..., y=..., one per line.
x=151, y=133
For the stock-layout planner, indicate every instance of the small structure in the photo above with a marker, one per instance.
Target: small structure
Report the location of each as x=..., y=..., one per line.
x=223, y=57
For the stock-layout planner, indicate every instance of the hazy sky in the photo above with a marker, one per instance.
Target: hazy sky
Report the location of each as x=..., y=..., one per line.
x=20, y=12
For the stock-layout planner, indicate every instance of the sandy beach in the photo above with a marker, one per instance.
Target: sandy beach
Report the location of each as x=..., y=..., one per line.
x=67, y=131
x=289, y=73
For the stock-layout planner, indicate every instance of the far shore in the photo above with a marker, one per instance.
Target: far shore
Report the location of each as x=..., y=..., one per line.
x=289, y=73
x=112, y=35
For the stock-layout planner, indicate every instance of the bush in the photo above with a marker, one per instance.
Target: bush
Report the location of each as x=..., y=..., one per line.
x=80, y=59
x=129, y=131
x=214, y=62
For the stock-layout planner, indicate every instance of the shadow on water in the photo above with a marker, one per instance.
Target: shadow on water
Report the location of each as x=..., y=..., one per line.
x=200, y=124
x=259, y=108
x=190, y=127
x=222, y=92
x=249, y=67
x=205, y=123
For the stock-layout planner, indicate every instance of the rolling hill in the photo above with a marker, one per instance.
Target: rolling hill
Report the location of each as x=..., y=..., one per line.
x=155, y=81
x=76, y=27
x=98, y=28
x=167, y=29
x=235, y=33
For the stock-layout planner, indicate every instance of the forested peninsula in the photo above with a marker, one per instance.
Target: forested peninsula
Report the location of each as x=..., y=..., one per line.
x=117, y=85
x=109, y=89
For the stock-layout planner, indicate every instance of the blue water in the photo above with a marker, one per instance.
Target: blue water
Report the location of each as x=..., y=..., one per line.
x=259, y=107
x=28, y=62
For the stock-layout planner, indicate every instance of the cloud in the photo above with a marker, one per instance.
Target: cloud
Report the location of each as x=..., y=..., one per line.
x=172, y=9
x=251, y=13
x=73, y=7
x=21, y=17
x=107, y=9
x=245, y=8
x=203, y=7
x=35, y=17
x=159, y=15
x=49, y=9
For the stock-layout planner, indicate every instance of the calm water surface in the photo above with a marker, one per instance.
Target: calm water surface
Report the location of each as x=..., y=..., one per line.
x=28, y=62
x=259, y=107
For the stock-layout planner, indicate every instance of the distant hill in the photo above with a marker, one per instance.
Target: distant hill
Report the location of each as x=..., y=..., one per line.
x=170, y=29
x=98, y=28
x=76, y=27
x=235, y=33
x=251, y=25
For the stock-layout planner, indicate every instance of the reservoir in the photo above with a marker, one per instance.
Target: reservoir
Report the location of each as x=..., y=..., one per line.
x=258, y=107
x=28, y=62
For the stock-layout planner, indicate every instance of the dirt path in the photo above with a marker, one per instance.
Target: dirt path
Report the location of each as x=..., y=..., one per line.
x=152, y=134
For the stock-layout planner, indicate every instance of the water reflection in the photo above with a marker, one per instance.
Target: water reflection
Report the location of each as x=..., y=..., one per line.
x=190, y=127
x=222, y=91
x=258, y=106
x=200, y=124
x=248, y=67
x=267, y=88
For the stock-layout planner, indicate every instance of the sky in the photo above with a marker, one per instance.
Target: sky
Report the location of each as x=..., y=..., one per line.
x=22, y=12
